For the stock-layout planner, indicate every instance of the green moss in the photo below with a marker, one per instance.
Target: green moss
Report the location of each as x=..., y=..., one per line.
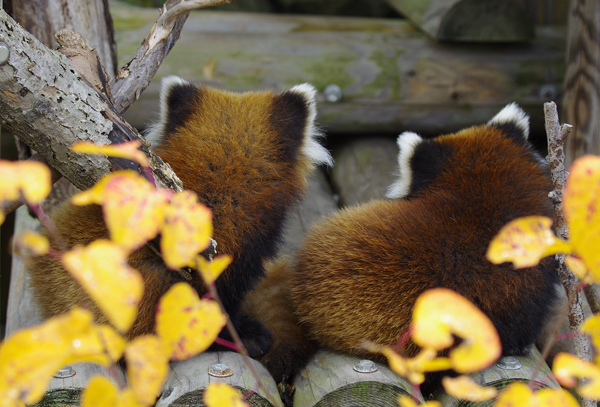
x=60, y=397
x=332, y=69
x=388, y=76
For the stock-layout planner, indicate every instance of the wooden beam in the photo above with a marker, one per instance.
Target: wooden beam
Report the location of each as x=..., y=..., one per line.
x=392, y=77
x=468, y=20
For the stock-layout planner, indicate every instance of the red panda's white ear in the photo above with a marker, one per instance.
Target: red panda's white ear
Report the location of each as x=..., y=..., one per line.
x=514, y=119
x=298, y=108
x=407, y=143
x=175, y=95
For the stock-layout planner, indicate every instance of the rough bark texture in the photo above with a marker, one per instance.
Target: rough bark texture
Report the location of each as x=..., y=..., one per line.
x=556, y=137
x=90, y=18
x=46, y=103
x=581, y=102
x=135, y=76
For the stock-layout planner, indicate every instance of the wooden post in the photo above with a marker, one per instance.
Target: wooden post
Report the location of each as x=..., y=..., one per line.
x=581, y=101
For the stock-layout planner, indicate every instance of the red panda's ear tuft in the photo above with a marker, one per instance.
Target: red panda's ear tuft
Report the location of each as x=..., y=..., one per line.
x=177, y=101
x=513, y=121
x=294, y=117
x=407, y=143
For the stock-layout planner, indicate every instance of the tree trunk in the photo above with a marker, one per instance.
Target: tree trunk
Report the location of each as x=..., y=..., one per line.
x=581, y=102
x=90, y=18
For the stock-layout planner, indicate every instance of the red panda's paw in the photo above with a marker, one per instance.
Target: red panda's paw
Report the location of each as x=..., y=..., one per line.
x=255, y=337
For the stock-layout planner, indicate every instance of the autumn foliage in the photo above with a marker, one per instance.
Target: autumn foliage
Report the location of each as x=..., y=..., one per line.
x=136, y=211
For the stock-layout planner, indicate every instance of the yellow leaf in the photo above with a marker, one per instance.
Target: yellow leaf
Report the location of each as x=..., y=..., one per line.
x=413, y=369
x=582, y=208
x=525, y=241
x=219, y=394
x=133, y=208
x=185, y=324
x=438, y=313
x=186, y=231
x=147, y=368
x=567, y=368
x=129, y=150
x=465, y=388
x=38, y=244
x=515, y=394
x=102, y=270
x=578, y=267
x=406, y=401
x=31, y=178
x=30, y=357
x=211, y=269
x=101, y=392
x=555, y=398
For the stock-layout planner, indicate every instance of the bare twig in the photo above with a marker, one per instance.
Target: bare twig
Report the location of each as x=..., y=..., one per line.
x=135, y=76
x=556, y=158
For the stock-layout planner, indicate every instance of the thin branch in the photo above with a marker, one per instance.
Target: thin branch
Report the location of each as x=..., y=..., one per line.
x=556, y=158
x=135, y=76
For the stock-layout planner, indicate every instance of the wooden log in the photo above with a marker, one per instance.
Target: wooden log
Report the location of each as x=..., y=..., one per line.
x=330, y=380
x=392, y=77
x=582, y=80
x=364, y=169
x=468, y=20
x=506, y=371
x=188, y=379
x=22, y=313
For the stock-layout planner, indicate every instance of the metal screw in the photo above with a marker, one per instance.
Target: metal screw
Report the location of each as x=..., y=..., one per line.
x=365, y=366
x=509, y=363
x=4, y=53
x=548, y=93
x=65, y=372
x=220, y=370
x=333, y=93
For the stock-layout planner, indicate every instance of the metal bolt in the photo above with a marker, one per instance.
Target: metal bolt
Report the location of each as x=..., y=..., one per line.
x=365, y=366
x=4, y=53
x=509, y=363
x=333, y=93
x=548, y=93
x=65, y=372
x=220, y=370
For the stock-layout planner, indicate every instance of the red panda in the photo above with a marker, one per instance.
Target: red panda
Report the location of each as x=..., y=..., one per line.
x=247, y=157
x=358, y=273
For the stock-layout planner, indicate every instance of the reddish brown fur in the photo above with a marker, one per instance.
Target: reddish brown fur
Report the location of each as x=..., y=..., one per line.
x=243, y=155
x=360, y=272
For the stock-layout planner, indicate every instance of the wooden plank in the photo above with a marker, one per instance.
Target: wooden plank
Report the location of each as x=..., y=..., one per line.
x=468, y=20
x=393, y=78
x=188, y=379
x=330, y=379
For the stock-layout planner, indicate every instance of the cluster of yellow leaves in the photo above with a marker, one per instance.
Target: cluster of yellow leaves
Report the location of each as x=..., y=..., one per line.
x=135, y=212
x=525, y=241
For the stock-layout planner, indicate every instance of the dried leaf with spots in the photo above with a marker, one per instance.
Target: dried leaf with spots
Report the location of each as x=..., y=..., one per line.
x=102, y=270
x=465, y=388
x=30, y=357
x=211, y=269
x=187, y=230
x=36, y=243
x=101, y=392
x=568, y=368
x=219, y=394
x=30, y=178
x=582, y=209
x=129, y=150
x=439, y=313
x=525, y=241
x=147, y=368
x=185, y=324
x=133, y=209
